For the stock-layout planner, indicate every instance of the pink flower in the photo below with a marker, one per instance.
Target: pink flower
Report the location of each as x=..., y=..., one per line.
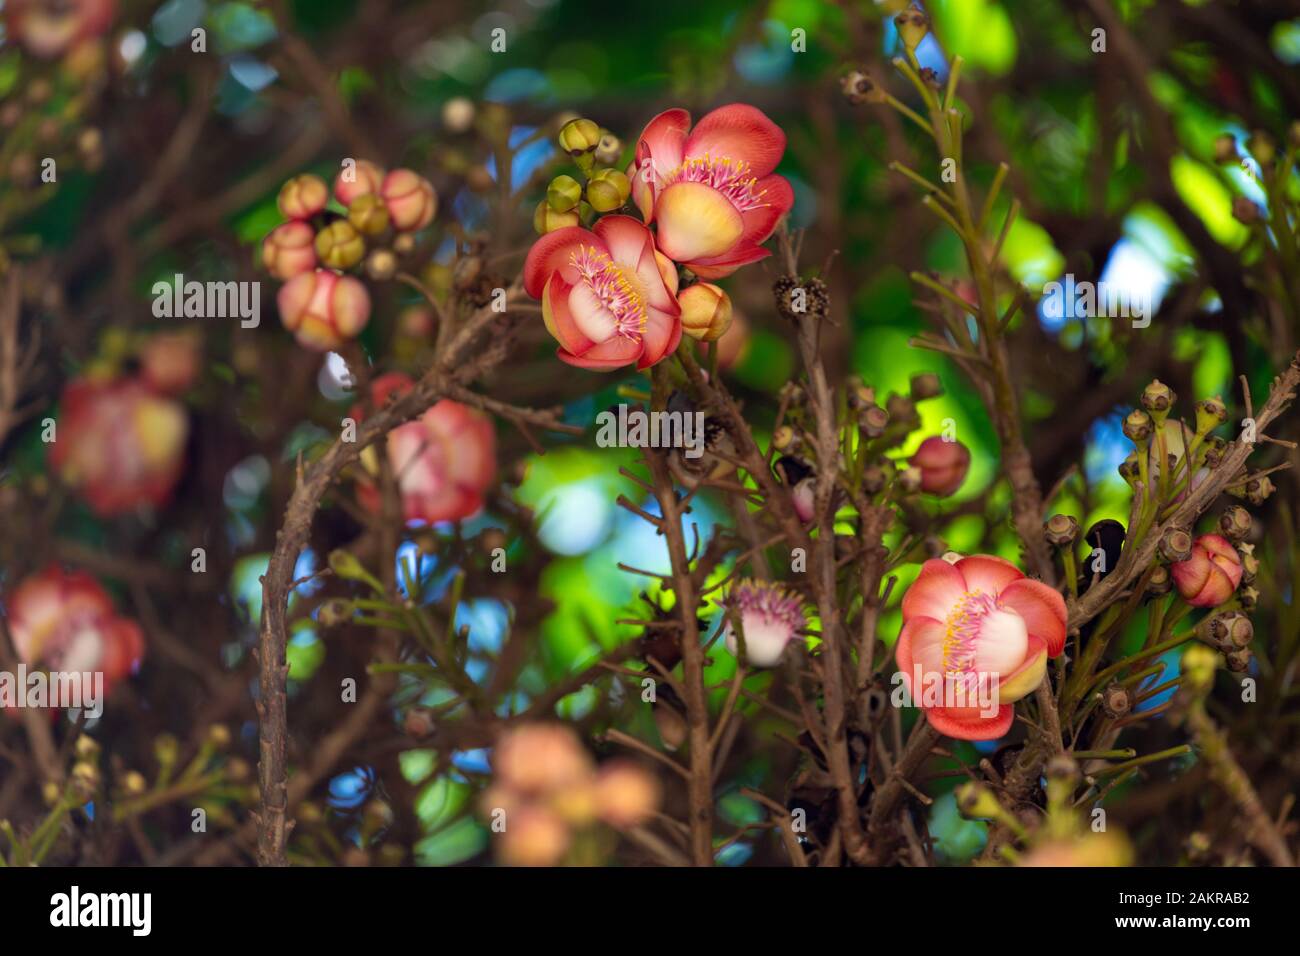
x=65, y=621
x=410, y=200
x=119, y=444
x=289, y=250
x=444, y=461
x=48, y=28
x=365, y=178
x=607, y=296
x=323, y=309
x=770, y=618
x=976, y=633
x=711, y=190
x=1211, y=574
x=943, y=465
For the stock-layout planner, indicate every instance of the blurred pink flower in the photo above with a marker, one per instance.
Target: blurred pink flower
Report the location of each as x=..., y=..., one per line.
x=48, y=28
x=323, y=309
x=943, y=465
x=119, y=444
x=444, y=461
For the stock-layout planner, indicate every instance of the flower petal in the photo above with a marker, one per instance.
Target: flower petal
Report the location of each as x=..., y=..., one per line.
x=1023, y=681
x=936, y=589
x=559, y=320
x=967, y=728
x=663, y=332
x=1043, y=609
x=719, y=267
x=550, y=254
x=738, y=132
x=984, y=572
x=778, y=200
x=696, y=221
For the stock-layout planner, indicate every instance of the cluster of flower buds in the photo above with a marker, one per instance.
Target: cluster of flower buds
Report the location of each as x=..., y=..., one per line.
x=312, y=249
x=569, y=202
x=547, y=790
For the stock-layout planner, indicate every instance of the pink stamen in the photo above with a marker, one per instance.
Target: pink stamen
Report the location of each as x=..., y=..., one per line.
x=610, y=285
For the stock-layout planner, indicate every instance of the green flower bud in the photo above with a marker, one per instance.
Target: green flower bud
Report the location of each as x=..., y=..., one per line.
x=912, y=26
x=166, y=749
x=339, y=245
x=1198, y=665
x=608, y=190
x=546, y=219
x=1130, y=469
x=1158, y=398
x=345, y=564
x=1138, y=427
x=1210, y=414
x=579, y=136
x=563, y=193
x=368, y=214
x=975, y=801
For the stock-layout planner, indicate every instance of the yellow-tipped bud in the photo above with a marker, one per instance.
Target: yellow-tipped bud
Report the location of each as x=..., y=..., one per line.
x=563, y=193
x=608, y=190
x=579, y=136
x=706, y=311
x=339, y=245
x=546, y=219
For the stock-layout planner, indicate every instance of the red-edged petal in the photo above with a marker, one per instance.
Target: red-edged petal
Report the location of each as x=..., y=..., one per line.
x=916, y=643
x=741, y=133
x=977, y=728
x=663, y=332
x=936, y=589
x=550, y=254
x=663, y=138
x=625, y=238
x=779, y=200
x=1043, y=609
x=719, y=267
x=984, y=572
x=558, y=317
x=615, y=353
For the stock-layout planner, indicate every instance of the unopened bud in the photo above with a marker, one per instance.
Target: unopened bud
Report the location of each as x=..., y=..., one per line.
x=976, y=801
x=860, y=88
x=1138, y=427
x=381, y=265
x=339, y=245
x=1160, y=581
x=608, y=190
x=910, y=479
x=134, y=783
x=546, y=219
x=563, y=193
x=579, y=136
x=1175, y=545
x=1258, y=490
x=1210, y=414
x=1235, y=523
x=912, y=26
x=1249, y=598
x=1061, y=530
x=1158, y=398
x=86, y=748
x=368, y=214
x=926, y=385
x=1239, y=660
x=1249, y=563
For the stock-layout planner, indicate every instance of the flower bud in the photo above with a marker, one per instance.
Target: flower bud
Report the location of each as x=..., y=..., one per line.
x=339, y=245
x=1138, y=427
x=1130, y=469
x=166, y=748
x=607, y=190
x=608, y=150
x=1249, y=563
x=381, y=265
x=563, y=193
x=533, y=836
x=1175, y=545
x=323, y=309
x=368, y=214
x=626, y=795
x=1210, y=575
x=912, y=26
x=1235, y=523
x=1239, y=660
x=1116, y=701
x=1210, y=414
x=770, y=618
x=134, y=783
x=1160, y=581
x=546, y=219
x=1061, y=530
x=302, y=197
x=873, y=420
x=579, y=136
x=785, y=439
x=289, y=250
x=860, y=395
x=1158, y=398
x=859, y=88
x=346, y=565
x=334, y=612
x=1262, y=147
x=86, y=747
x=975, y=801
x=1225, y=149
x=359, y=180
x=410, y=199
x=84, y=779
x=942, y=464
x=458, y=114
x=926, y=385
x=1259, y=489
x=902, y=410
x=1198, y=665
x=1214, y=446
x=1249, y=598
x=706, y=311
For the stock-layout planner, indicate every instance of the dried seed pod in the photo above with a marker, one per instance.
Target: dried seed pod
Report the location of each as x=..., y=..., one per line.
x=1175, y=545
x=1061, y=530
x=1235, y=523
x=1116, y=701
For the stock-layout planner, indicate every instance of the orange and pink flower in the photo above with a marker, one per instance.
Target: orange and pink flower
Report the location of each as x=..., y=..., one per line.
x=119, y=444
x=607, y=296
x=444, y=461
x=711, y=190
x=978, y=623
x=1210, y=576
x=65, y=621
x=943, y=465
